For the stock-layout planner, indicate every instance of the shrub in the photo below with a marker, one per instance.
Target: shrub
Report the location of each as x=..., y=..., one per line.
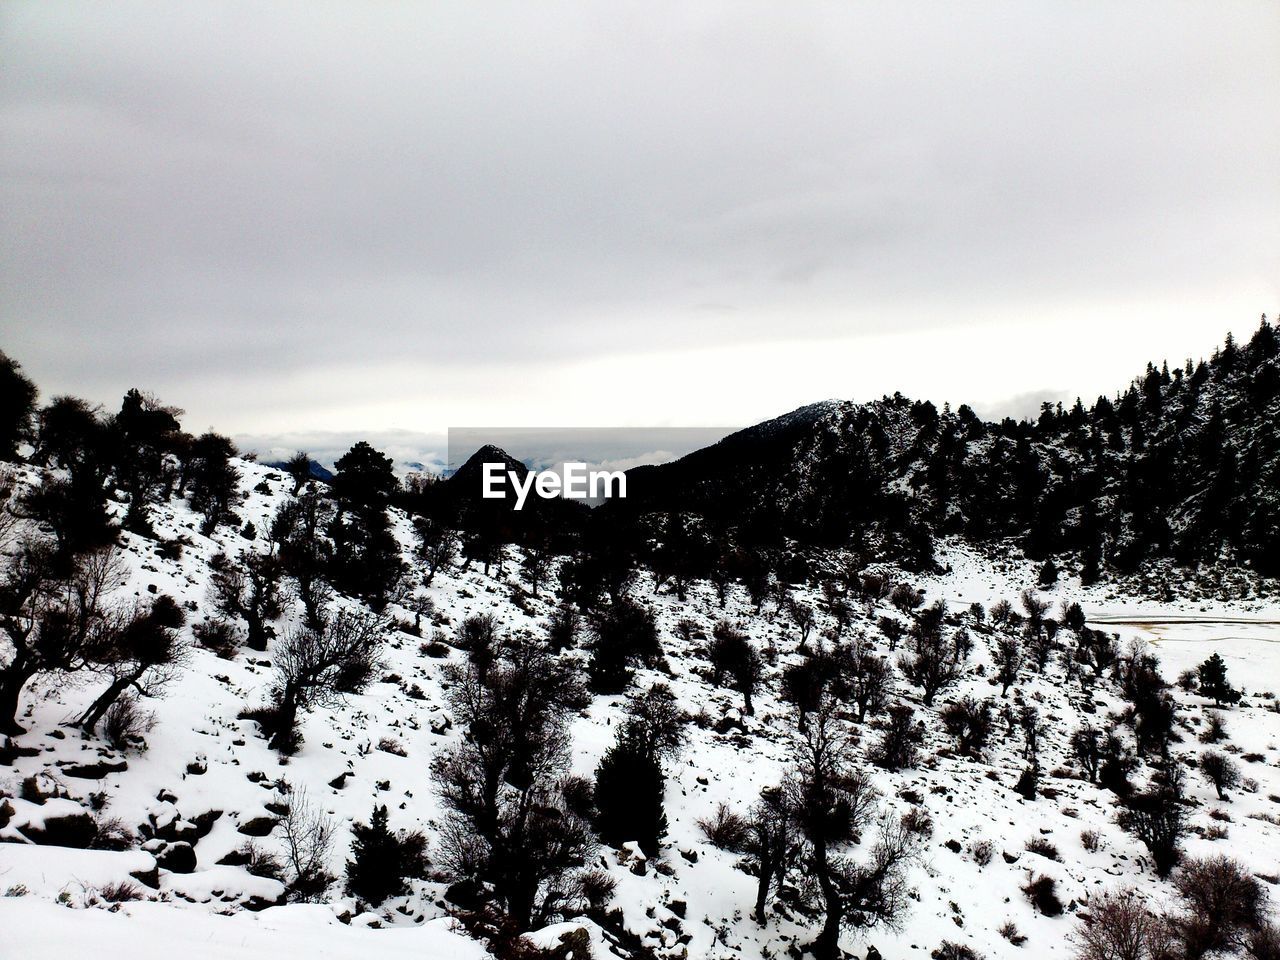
x=1043, y=848
x=982, y=851
x=597, y=888
x=381, y=859
x=955, y=951
x=1220, y=770
x=1043, y=895
x=125, y=724
x=1215, y=730
x=918, y=822
x=726, y=830
x=1028, y=784
x=1009, y=930
x=896, y=749
x=1091, y=840
x=218, y=635
x=119, y=892
x=1118, y=926
x=1221, y=902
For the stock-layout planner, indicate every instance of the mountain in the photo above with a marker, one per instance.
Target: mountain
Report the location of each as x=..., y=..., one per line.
x=318, y=470
x=1183, y=464
x=222, y=692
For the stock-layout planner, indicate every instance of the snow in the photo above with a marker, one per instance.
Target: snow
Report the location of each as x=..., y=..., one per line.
x=203, y=759
x=156, y=931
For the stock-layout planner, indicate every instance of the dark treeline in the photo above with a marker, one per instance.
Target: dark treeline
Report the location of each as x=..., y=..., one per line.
x=1183, y=464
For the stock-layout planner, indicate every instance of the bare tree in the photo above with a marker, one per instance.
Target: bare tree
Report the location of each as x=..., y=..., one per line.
x=302, y=551
x=248, y=588
x=1008, y=662
x=865, y=678
x=1220, y=770
x=771, y=845
x=732, y=653
x=145, y=653
x=506, y=783
x=1118, y=926
x=54, y=615
x=318, y=667
x=832, y=805
x=436, y=547
x=930, y=662
x=299, y=469
x=308, y=835
x=801, y=615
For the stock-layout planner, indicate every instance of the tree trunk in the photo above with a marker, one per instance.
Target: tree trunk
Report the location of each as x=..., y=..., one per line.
x=762, y=888
x=286, y=720
x=256, y=638
x=827, y=944
x=89, y=719
x=14, y=679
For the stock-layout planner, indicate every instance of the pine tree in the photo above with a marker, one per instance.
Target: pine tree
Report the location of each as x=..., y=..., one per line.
x=1213, y=681
x=629, y=794
x=376, y=869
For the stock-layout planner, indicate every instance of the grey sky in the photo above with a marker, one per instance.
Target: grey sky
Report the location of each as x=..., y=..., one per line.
x=337, y=218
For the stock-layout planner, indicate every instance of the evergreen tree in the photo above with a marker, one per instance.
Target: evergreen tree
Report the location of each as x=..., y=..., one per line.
x=629, y=794
x=377, y=868
x=1213, y=681
x=17, y=406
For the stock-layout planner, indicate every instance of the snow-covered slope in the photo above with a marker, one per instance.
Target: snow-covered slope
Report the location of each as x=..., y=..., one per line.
x=209, y=778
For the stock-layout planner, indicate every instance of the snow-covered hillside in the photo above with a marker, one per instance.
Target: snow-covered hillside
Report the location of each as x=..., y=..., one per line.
x=207, y=783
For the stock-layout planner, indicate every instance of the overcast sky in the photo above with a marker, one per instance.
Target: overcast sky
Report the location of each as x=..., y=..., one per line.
x=314, y=220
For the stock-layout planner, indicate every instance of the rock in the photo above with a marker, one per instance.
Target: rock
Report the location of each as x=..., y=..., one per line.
x=262, y=903
x=236, y=858
x=178, y=857
x=258, y=826
x=66, y=830
x=467, y=894
x=94, y=771
x=148, y=878
x=204, y=822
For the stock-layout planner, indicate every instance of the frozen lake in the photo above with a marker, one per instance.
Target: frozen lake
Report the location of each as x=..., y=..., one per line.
x=1250, y=647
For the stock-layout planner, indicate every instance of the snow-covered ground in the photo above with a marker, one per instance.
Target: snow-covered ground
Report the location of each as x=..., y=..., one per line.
x=207, y=768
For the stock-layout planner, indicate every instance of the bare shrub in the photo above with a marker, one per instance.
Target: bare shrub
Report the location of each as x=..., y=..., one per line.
x=726, y=830
x=1042, y=892
x=120, y=892
x=982, y=851
x=1118, y=926
x=308, y=834
x=1221, y=903
x=1042, y=847
x=125, y=724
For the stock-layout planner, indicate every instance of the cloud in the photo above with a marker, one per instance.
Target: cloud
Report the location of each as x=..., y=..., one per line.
x=284, y=216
